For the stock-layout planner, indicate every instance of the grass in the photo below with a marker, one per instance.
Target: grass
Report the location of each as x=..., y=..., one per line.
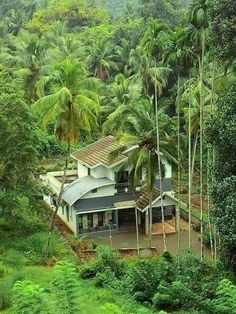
x=99, y=296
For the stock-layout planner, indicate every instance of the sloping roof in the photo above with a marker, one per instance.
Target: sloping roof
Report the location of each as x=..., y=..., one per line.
x=80, y=187
x=99, y=153
x=143, y=200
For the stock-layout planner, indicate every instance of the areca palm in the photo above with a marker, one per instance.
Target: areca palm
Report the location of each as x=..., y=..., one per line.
x=72, y=105
x=151, y=73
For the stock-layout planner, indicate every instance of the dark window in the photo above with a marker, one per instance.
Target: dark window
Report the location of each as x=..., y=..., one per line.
x=67, y=213
x=54, y=202
x=89, y=171
x=90, y=220
x=101, y=219
x=94, y=190
x=80, y=221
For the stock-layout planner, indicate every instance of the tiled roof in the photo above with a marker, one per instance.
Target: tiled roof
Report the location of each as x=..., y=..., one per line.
x=99, y=153
x=143, y=200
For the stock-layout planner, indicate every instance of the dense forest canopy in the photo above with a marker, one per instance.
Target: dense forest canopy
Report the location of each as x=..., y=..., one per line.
x=158, y=75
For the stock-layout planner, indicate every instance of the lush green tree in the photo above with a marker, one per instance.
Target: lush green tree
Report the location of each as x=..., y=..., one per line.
x=76, y=14
x=101, y=60
x=221, y=134
x=222, y=29
x=26, y=55
x=72, y=105
x=18, y=155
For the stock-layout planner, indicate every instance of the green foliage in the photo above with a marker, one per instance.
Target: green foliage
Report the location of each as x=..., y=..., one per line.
x=30, y=298
x=225, y=301
x=17, y=154
x=109, y=309
x=5, y=294
x=76, y=14
x=106, y=268
x=222, y=135
x=222, y=28
x=142, y=279
x=66, y=287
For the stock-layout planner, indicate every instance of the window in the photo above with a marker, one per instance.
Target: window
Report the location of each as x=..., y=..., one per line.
x=63, y=210
x=89, y=171
x=101, y=219
x=67, y=213
x=94, y=190
x=90, y=220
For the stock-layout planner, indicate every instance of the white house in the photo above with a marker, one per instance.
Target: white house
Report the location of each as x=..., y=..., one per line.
x=96, y=199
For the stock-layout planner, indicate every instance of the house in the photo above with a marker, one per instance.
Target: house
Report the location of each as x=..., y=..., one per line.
x=97, y=199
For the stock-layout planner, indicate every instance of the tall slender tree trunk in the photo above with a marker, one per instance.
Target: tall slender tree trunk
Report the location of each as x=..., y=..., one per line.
x=59, y=200
x=194, y=151
x=160, y=172
x=179, y=169
x=190, y=169
x=137, y=231
x=210, y=151
x=150, y=219
x=201, y=67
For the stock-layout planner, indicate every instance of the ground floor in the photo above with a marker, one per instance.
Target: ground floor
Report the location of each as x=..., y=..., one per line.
x=123, y=219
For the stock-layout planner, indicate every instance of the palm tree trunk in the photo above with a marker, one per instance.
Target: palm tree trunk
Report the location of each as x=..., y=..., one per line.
x=137, y=231
x=150, y=220
x=194, y=150
x=179, y=173
x=190, y=170
x=160, y=172
x=201, y=65
x=59, y=199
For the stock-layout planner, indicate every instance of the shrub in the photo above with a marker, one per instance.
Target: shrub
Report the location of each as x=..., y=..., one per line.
x=105, y=278
x=107, y=265
x=109, y=308
x=108, y=259
x=143, y=278
x=29, y=298
x=225, y=301
x=66, y=287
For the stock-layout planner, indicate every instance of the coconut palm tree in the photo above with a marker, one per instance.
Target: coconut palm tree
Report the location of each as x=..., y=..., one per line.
x=139, y=131
x=101, y=60
x=26, y=55
x=72, y=105
x=122, y=93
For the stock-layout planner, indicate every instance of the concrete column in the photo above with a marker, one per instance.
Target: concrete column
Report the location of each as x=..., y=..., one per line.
x=147, y=222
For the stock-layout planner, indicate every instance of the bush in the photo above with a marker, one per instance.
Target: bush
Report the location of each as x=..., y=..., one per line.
x=106, y=267
x=66, y=287
x=143, y=278
x=109, y=308
x=30, y=298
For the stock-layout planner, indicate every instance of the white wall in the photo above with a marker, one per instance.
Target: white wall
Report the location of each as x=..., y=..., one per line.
x=99, y=172
x=102, y=191
x=82, y=171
